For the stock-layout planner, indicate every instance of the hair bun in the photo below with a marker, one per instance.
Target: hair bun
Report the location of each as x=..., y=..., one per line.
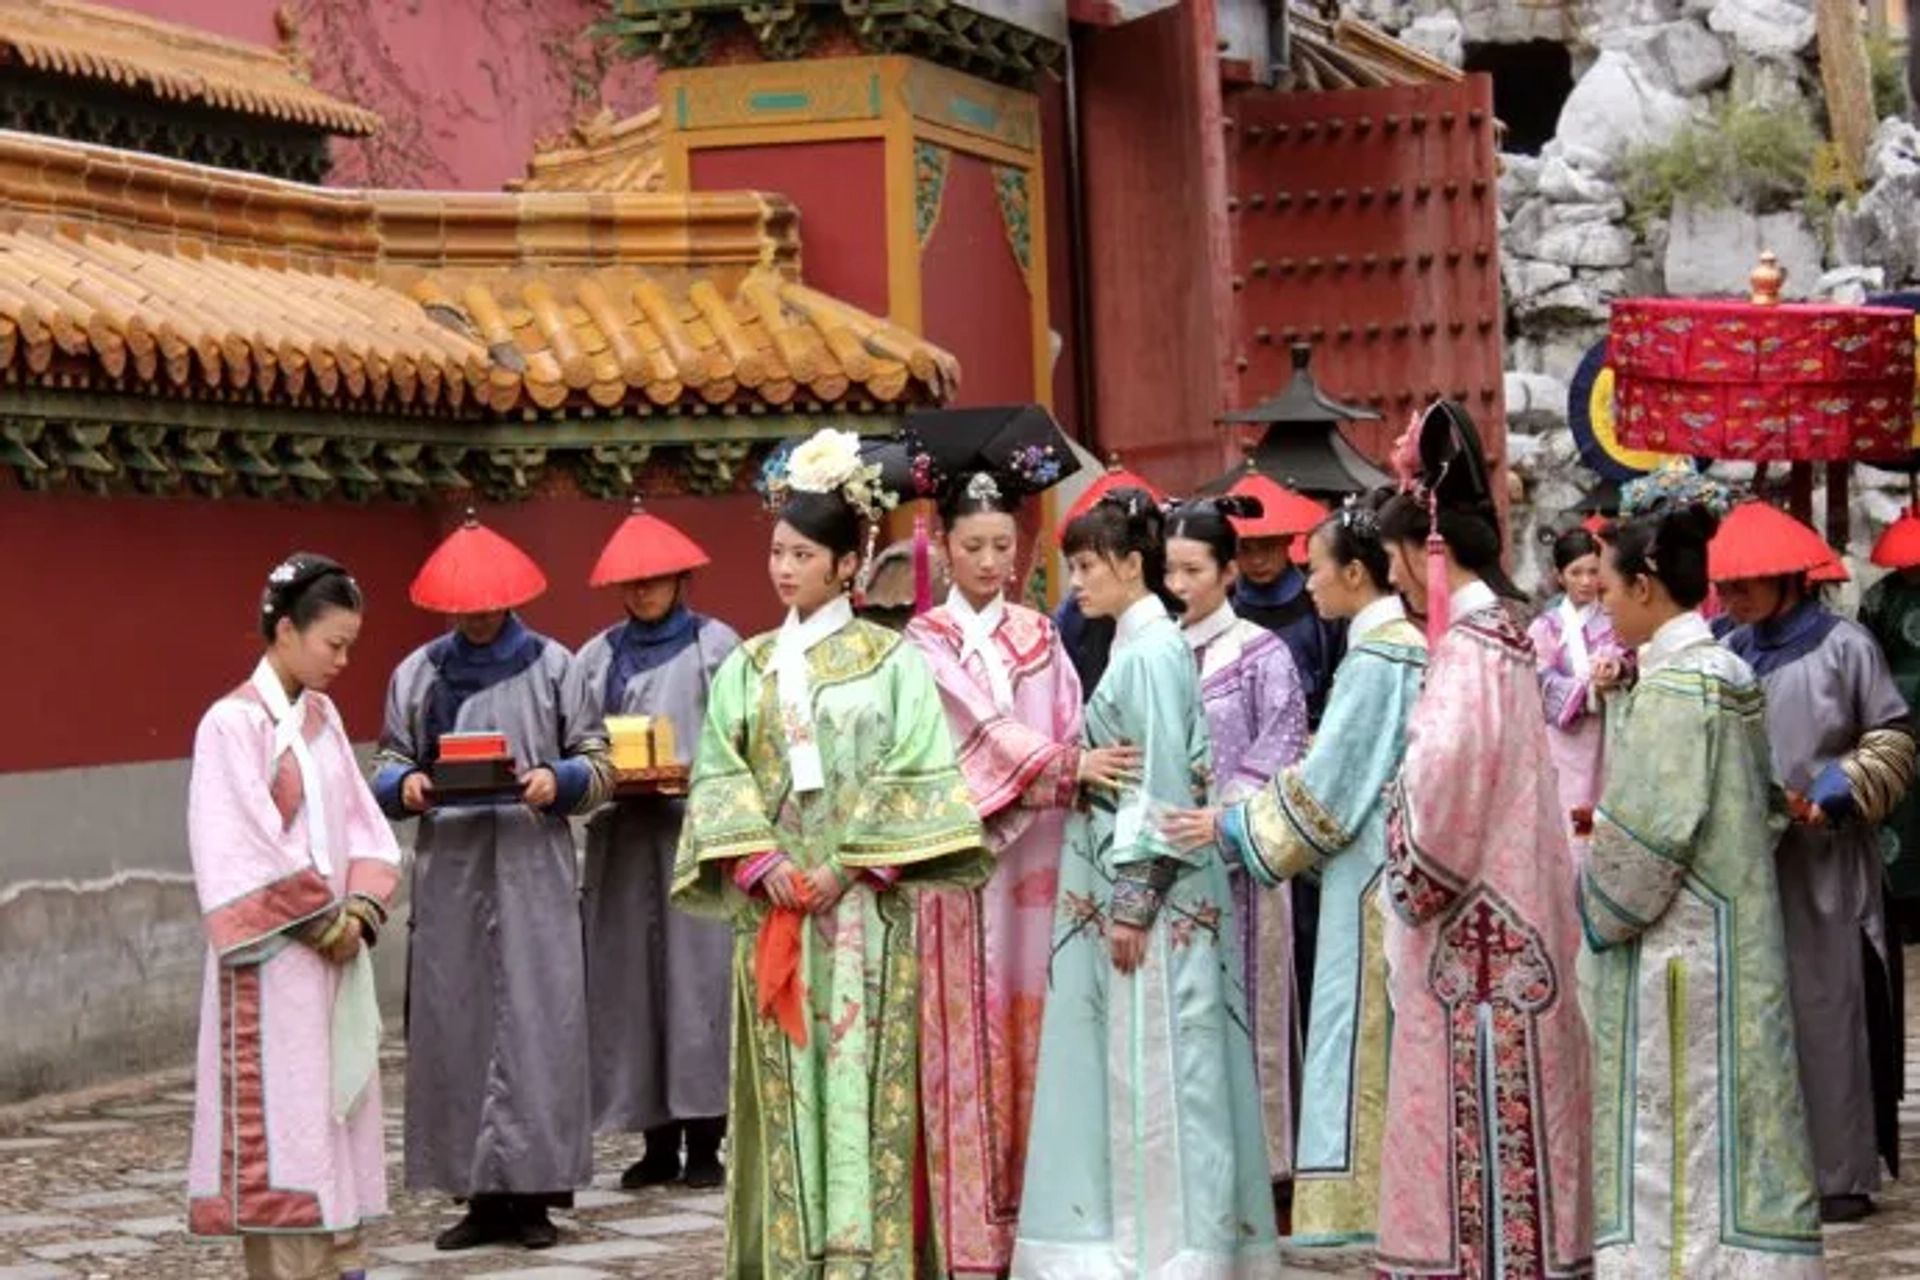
x=1693, y=521
x=1240, y=506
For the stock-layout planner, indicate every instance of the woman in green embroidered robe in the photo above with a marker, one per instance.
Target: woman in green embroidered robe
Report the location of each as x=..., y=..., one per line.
x=1702, y=1162
x=824, y=781
x=1326, y=818
x=1148, y=1157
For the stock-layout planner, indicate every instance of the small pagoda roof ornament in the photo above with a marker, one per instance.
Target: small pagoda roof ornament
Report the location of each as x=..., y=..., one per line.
x=1303, y=448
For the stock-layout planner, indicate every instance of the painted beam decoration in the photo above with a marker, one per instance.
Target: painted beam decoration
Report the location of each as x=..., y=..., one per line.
x=287, y=341
x=1008, y=42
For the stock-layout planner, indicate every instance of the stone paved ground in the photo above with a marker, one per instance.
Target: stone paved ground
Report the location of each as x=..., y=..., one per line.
x=92, y=1188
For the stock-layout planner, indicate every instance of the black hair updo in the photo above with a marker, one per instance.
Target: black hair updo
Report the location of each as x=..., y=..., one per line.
x=977, y=493
x=1351, y=535
x=1125, y=522
x=1573, y=545
x=304, y=586
x=825, y=518
x=1210, y=521
x=1668, y=544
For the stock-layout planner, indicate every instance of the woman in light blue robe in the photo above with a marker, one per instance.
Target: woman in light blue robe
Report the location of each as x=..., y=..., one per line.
x=1326, y=818
x=1147, y=1158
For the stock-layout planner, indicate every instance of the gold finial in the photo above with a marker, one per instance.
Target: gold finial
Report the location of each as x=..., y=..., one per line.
x=1766, y=280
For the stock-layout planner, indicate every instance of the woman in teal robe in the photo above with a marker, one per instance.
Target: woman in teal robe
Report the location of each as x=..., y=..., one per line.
x=823, y=784
x=1326, y=818
x=1702, y=1164
x=1147, y=1157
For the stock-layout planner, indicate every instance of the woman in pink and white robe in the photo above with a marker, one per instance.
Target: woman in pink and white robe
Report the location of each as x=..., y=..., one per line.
x=1579, y=662
x=294, y=867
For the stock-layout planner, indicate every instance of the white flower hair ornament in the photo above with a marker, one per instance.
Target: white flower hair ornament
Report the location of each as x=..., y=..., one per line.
x=830, y=461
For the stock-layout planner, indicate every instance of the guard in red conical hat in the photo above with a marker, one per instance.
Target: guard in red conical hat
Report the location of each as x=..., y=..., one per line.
x=1114, y=477
x=657, y=980
x=491, y=746
x=1890, y=611
x=476, y=571
x=1271, y=591
x=1843, y=747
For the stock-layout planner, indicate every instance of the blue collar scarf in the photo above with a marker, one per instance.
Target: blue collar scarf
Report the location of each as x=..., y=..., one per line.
x=1283, y=590
x=1778, y=642
x=639, y=647
x=462, y=669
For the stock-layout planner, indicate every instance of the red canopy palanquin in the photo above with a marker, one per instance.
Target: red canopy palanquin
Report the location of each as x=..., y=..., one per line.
x=1763, y=382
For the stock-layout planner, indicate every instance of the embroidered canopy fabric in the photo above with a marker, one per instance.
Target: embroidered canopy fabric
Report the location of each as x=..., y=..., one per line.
x=1765, y=383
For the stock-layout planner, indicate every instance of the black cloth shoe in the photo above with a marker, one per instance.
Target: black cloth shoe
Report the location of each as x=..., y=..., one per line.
x=704, y=1169
x=488, y=1221
x=536, y=1229
x=661, y=1163
x=1845, y=1208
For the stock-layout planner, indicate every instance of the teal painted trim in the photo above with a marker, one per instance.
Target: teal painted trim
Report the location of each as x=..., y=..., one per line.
x=873, y=94
x=681, y=111
x=796, y=101
x=977, y=114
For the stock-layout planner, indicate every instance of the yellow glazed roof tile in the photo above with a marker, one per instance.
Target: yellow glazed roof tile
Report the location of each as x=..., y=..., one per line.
x=196, y=282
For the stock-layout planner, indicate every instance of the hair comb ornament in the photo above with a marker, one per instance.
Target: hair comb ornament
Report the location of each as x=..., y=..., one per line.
x=1675, y=484
x=982, y=487
x=1359, y=518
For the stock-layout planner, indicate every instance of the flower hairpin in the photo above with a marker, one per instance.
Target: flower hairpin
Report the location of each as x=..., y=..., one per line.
x=1359, y=518
x=982, y=487
x=1036, y=464
x=284, y=573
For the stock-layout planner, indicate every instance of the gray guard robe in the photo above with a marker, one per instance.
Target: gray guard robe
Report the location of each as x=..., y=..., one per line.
x=658, y=989
x=1830, y=895
x=496, y=1091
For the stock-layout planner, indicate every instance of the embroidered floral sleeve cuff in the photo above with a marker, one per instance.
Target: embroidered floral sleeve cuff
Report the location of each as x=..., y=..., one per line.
x=1140, y=891
x=750, y=871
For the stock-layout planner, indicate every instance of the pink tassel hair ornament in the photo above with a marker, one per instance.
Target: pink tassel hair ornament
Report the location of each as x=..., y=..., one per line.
x=1439, y=589
x=922, y=567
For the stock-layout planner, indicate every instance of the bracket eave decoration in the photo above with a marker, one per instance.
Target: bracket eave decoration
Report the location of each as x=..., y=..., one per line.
x=1016, y=215
x=683, y=33
x=113, y=445
x=931, y=164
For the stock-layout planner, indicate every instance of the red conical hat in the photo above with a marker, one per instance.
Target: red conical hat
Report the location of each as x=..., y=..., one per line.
x=476, y=571
x=1761, y=541
x=1832, y=571
x=1115, y=477
x=1899, y=546
x=1283, y=513
x=646, y=546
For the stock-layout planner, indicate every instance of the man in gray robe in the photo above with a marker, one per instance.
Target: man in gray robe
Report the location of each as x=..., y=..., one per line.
x=658, y=985
x=497, y=1079
x=1843, y=749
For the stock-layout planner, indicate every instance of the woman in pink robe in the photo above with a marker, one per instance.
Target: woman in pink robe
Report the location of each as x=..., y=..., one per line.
x=1579, y=661
x=1487, y=1168
x=1013, y=702
x=294, y=866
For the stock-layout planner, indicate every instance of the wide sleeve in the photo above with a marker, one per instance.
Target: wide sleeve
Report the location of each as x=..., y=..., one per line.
x=1152, y=693
x=254, y=882
x=400, y=748
x=1277, y=710
x=584, y=772
x=1443, y=803
x=1660, y=770
x=1005, y=761
x=915, y=814
x=1311, y=812
x=1870, y=780
x=727, y=816
x=1564, y=698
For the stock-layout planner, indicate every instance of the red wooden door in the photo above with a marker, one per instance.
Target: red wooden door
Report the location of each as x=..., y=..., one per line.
x=1366, y=222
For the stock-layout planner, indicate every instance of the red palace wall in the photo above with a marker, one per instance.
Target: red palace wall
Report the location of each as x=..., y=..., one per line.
x=466, y=87
x=974, y=298
x=842, y=185
x=140, y=611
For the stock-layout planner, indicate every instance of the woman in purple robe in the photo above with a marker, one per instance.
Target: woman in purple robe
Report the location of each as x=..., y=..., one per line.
x=1579, y=663
x=1257, y=715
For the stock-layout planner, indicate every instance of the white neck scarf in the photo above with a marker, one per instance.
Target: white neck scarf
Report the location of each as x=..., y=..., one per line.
x=976, y=637
x=795, y=687
x=1202, y=633
x=1573, y=637
x=289, y=722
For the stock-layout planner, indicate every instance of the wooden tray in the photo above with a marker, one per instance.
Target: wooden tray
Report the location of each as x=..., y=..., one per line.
x=663, y=780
